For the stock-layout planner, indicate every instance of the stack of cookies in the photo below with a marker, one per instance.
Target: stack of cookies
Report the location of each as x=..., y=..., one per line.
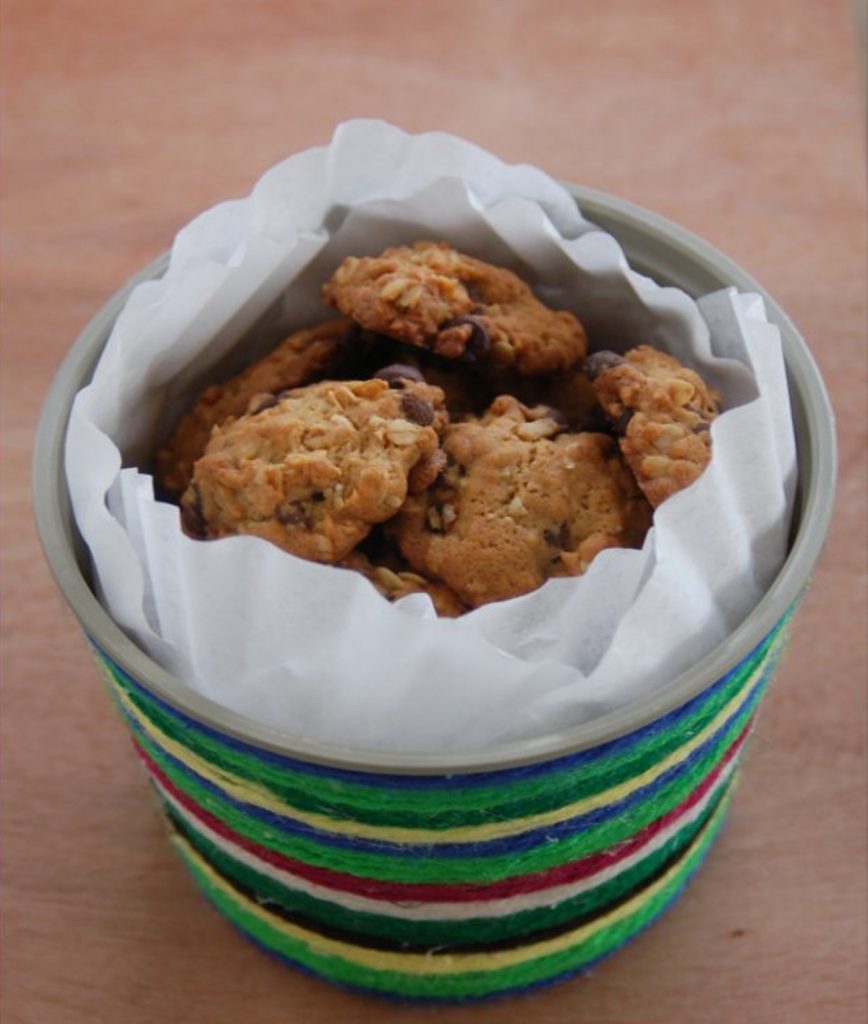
x=449, y=434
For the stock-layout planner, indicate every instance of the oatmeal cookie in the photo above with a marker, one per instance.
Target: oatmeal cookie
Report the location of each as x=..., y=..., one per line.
x=521, y=499
x=432, y=296
x=662, y=412
x=302, y=357
x=312, y=471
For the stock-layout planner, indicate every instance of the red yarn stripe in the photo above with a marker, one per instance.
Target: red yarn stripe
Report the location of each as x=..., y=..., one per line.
x=433, y=893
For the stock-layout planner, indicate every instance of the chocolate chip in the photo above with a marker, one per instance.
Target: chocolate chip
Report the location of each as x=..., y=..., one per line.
x=395, y=374
x=598, y=362
x=478, y=343
x=417, y=410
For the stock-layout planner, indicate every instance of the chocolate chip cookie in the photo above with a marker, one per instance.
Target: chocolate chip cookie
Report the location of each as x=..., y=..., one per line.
x=432, y=296
x=302, y=357
x=662, y=413
x=521, y=500
x=316, y=468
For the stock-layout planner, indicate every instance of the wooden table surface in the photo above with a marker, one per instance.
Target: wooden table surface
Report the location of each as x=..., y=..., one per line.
x=744, y=122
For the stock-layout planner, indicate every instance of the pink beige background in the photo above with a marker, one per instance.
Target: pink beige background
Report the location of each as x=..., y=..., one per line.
x=744, y=122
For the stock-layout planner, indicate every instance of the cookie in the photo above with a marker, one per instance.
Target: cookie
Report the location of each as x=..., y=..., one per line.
x=304, y=356
x=432, y=296
x=397, y=581
x=316, y=468
x=662, y=413
x=521, y=500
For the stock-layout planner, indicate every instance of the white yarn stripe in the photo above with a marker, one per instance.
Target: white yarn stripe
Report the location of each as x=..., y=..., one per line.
x=455, y=911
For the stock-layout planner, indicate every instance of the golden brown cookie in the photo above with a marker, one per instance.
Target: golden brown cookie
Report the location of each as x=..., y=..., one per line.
x=315, y=470
x=430, y=295
x=396, y=581
x=662, y=412
x=520, y=500
x=302, y=357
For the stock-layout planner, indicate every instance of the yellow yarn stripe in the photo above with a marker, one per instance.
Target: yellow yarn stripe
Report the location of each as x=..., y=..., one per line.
x=446, y=963
x=258, y=796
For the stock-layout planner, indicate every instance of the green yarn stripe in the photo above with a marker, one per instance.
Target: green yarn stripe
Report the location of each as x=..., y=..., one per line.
x=463, y=985
x=451, y=870
x=438, y=933
x=345, y=800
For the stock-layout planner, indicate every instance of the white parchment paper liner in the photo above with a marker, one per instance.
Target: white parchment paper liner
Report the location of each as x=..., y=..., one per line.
x=316, y=651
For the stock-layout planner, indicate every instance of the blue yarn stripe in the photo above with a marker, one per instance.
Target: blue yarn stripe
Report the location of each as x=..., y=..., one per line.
x=457, y=781
x=518, y=843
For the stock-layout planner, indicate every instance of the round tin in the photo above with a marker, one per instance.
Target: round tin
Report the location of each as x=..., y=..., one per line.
x=463, y=875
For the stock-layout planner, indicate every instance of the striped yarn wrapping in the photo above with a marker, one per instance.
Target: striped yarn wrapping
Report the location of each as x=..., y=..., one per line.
x=448, y=887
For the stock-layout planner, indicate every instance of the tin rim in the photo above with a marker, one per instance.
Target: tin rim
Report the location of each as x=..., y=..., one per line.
x=654, y=246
